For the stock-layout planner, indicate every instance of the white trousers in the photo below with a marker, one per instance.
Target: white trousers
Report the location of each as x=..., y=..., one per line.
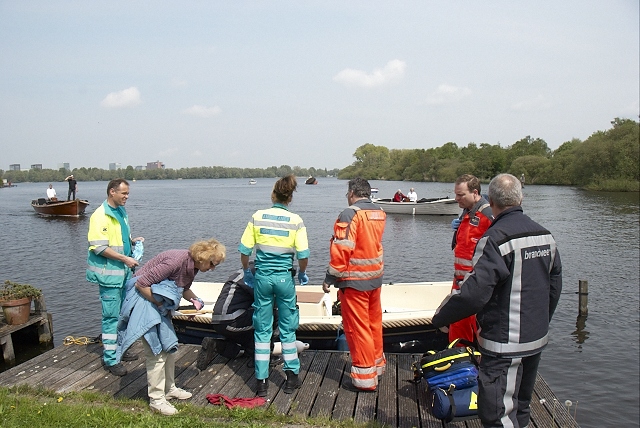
x=161, y=371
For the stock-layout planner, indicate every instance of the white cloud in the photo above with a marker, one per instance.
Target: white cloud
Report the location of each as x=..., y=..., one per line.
x=393, y=71
x=534, y=104
x=203, y=111
x=127, y=98
x=446, y=94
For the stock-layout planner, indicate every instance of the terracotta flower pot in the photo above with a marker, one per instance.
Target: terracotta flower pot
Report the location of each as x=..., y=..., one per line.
x=16, y=312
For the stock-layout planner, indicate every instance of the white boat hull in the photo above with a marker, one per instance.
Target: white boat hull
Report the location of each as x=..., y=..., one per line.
x=444, y=206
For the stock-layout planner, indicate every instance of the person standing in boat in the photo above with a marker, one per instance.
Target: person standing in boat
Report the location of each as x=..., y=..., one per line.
x=356, y=267
x=51, y=193
x=412, y=195
x=514, y=289
x=475, y=219
x=173, y=271
x=277, y=235
x=73, y=187
x=110, y=265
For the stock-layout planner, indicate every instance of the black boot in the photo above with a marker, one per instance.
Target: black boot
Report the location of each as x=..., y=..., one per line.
x=263, y=386
x=292, y=383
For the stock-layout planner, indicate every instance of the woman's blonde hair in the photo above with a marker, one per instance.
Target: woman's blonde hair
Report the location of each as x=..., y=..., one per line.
x=209, y=250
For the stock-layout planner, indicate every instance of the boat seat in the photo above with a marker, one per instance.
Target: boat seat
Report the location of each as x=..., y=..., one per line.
x=42, y=201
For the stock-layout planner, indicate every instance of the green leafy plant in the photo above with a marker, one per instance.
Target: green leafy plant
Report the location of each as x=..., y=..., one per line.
x=14, y=291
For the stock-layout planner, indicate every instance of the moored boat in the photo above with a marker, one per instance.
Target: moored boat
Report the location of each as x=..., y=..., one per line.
x=406, y=319
x=73, y=208
x=433, y=206
x=252, y=181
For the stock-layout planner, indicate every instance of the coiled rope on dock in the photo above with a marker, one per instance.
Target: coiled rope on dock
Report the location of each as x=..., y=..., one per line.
x=82, y=340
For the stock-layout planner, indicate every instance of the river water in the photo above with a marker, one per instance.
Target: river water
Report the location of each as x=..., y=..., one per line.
x=593, y=362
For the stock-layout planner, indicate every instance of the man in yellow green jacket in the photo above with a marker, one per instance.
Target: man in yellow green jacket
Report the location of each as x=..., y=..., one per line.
x=110, y=264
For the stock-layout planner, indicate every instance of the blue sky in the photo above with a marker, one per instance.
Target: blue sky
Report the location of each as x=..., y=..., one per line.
x=304, y=83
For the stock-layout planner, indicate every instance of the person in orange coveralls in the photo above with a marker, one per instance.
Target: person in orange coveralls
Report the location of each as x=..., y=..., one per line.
x=355, y=268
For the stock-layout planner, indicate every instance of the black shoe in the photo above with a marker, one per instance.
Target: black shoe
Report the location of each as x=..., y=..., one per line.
x=349, y=386
x=292, y=383
x=129, y=356
x=207, y=352
x=117, y=369
x=263, y=386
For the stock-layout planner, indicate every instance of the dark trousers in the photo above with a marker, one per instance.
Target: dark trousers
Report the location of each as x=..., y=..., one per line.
x=505, y=387
x=71, y=191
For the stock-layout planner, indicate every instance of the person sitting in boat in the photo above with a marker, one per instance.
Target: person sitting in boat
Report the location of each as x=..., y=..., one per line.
x=51, y=194
x=399, y=196
x=412, y=195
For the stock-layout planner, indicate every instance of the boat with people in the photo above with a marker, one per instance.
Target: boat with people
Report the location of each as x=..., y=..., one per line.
x=311, y=180
x=406, y=319
x=253, y=181
x=424, y=206
x=73, y=208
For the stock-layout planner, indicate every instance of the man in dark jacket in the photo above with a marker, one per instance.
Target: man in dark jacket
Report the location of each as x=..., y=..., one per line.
x=514, y=289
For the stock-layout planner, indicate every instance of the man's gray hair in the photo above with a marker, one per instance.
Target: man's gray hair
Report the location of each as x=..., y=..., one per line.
x=505, y=191
x=360, y=187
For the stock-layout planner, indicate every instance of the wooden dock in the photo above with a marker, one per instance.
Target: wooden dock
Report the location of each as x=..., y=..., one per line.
x=39, y=318
x=397, y=403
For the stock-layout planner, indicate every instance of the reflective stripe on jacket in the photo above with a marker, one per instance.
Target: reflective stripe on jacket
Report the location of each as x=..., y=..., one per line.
x=105, y=231
x=277, y=236
x=474, y=223
x=234, y=299
x=356, y=247
x=514, y=287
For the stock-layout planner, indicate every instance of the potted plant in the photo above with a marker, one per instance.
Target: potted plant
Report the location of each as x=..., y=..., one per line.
x=15, y=300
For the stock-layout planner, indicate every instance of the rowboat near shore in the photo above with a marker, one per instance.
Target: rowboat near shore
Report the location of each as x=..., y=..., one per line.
x=433, y=206
x=73, y=208
x=406, y=319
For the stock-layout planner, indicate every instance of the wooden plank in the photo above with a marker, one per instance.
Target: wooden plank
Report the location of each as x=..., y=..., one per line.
x=312, y=368
x=346, y=400
x=407, y=394
x=427, y=420
x=387, y=413
x=557, y=410
x=20, y=373
x=330, y=383
x=220, y=378
x=199, y=385
x=282, y=402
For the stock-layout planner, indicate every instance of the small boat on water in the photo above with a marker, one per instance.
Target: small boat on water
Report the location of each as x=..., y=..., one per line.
x=311, y=180
x=252, y=181
x=406, y=319
x=73, y=208
x=433, y=206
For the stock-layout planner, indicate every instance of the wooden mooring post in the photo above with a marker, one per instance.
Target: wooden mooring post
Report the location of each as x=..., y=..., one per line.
x=39, y=317
x=583, y=297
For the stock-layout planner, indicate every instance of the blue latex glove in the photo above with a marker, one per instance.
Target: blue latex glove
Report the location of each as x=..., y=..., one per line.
x=198, y=303
x=248, y=277
x=138, y=250
x=455, y=223
x=303, y=278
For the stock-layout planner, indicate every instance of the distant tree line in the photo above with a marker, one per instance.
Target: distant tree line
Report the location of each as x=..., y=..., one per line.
x=607, y=160
x=129, y=173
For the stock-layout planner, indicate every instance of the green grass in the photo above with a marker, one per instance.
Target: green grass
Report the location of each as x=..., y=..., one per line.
x=24, y=406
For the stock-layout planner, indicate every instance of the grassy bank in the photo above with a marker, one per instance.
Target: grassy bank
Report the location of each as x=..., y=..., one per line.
x=25, y=406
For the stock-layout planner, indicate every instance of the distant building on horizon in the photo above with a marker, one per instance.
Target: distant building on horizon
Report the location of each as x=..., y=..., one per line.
x=114, y=166
x=64, y=165
x=140, y=168
x=155, y=165
x=14, y=167
x=36, y=166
